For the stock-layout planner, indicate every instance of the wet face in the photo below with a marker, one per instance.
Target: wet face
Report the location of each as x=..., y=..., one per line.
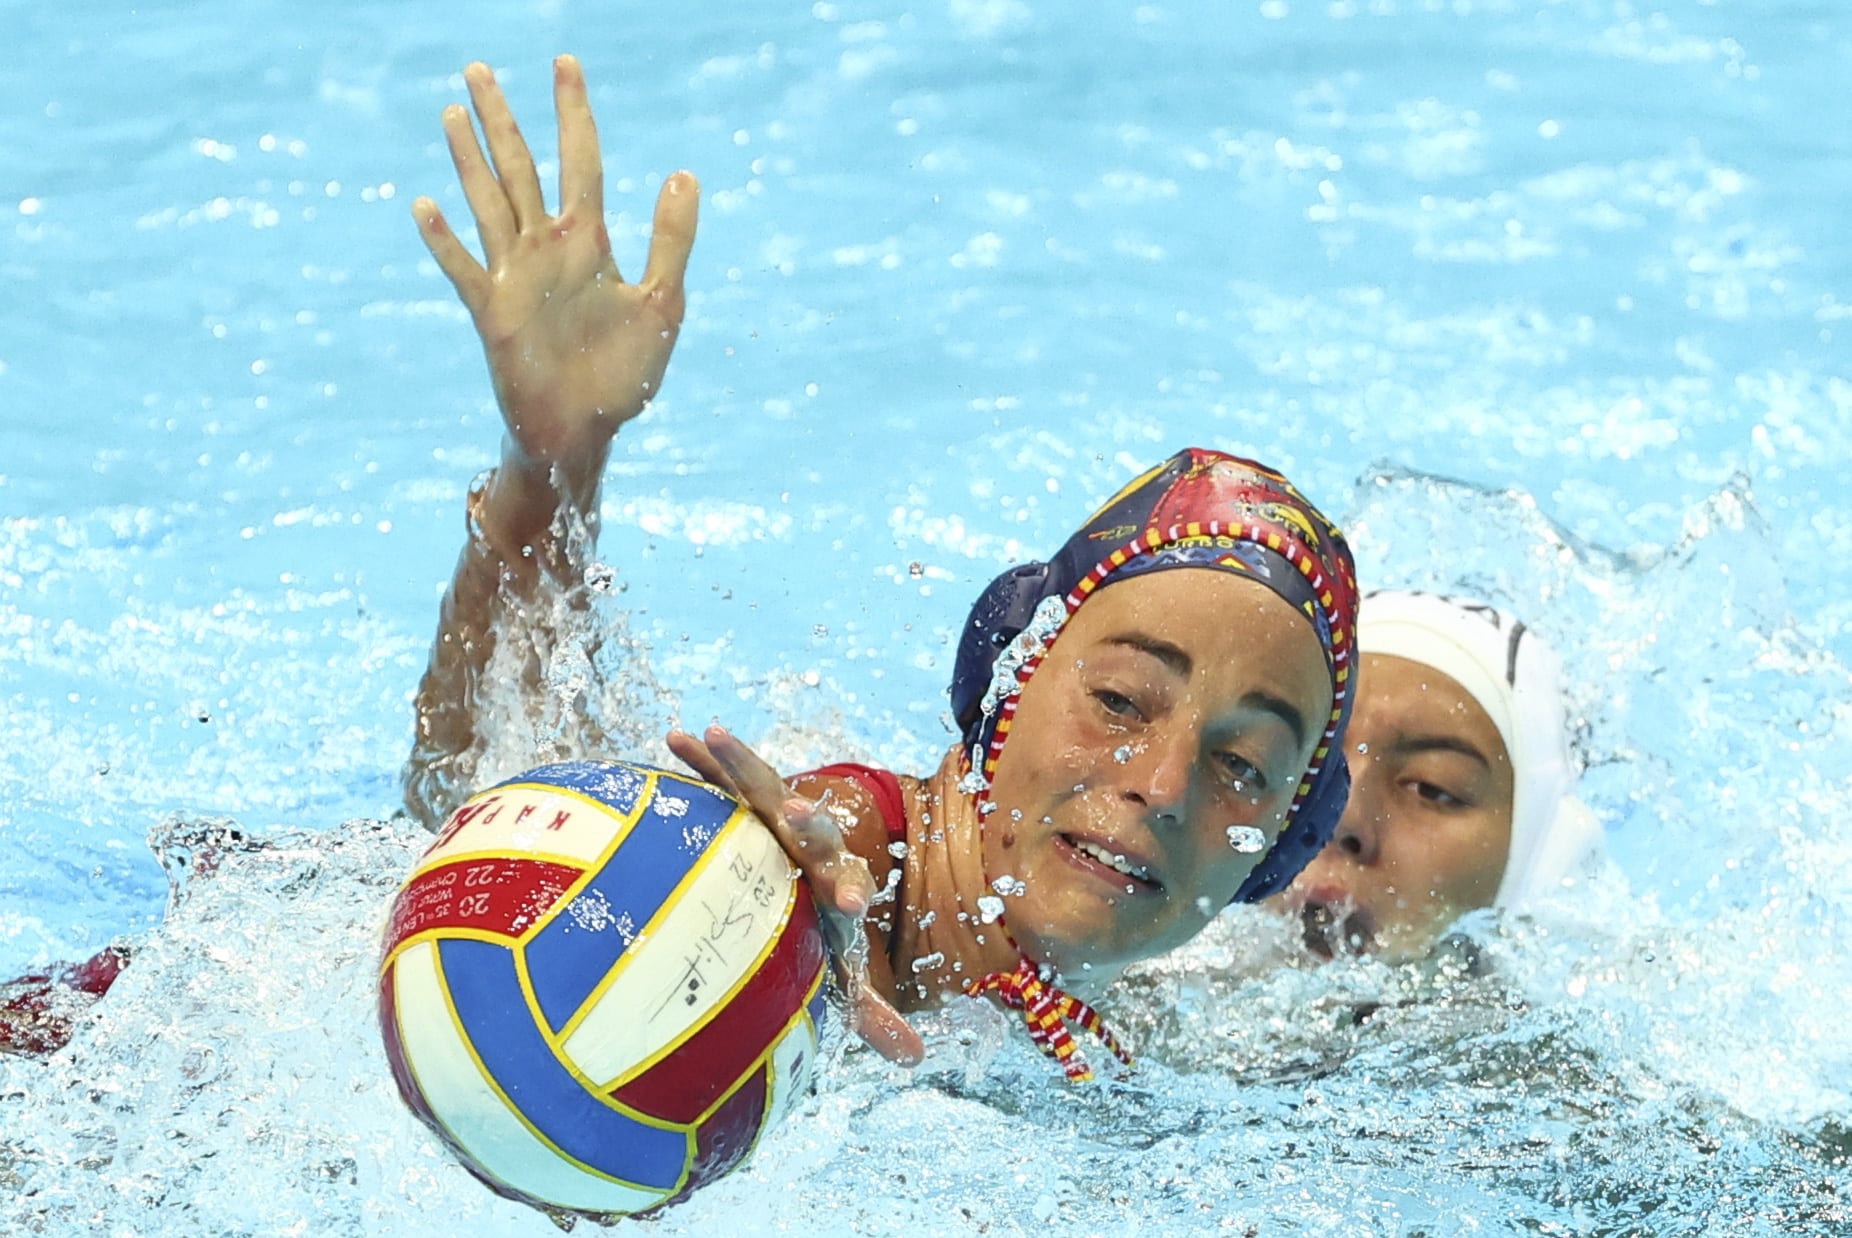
x=1428, y=827
x=1152, y=760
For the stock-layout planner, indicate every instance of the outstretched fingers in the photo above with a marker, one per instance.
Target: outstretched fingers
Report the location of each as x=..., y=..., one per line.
x=672, y=235
x=838, y=876
x=695, y=755
x=466, y=275
x=839, y=879
x=487, y=202
x=514, y=164
x=581, y=165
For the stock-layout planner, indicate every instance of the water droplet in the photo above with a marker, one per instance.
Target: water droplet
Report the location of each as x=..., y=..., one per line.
x=991, y=908
x=1205, y=906
x=898, y=850
x=1122, y=753
x=916, y=569
x=1030, y=644
x=1246, y=839
x=1363, y=749
x=927, y=962
x=1009, y=886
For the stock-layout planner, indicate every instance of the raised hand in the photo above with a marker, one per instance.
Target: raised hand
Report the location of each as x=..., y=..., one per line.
x=574, y=350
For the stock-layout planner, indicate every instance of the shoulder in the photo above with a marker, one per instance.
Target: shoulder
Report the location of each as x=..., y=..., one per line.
x=870, y=808
x=869, y=803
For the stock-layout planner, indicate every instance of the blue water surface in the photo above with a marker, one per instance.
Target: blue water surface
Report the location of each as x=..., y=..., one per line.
x=1547, y=299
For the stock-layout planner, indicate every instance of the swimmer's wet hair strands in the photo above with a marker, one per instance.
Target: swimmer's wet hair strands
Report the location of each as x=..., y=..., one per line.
x=1518, y=680
x=1202, y=509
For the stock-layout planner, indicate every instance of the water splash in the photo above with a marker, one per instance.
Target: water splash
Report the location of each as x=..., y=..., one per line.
x=1246, y=839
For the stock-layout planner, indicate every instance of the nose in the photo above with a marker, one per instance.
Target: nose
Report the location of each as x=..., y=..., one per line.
x=1158, y=770
x=1360, y=829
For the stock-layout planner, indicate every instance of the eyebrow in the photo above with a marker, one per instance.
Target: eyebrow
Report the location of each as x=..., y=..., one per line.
x=1409, y=745
x=1178, y=662
x=1172, y=656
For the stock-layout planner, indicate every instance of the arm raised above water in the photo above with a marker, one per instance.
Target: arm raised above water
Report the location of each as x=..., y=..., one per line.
x=574, y=352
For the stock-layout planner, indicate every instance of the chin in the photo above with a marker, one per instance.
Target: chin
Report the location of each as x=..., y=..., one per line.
x=1081, y=944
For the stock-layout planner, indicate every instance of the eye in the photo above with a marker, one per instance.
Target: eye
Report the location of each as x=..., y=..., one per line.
x=1437, y=795
x=1117, y=704
x=1241, y=773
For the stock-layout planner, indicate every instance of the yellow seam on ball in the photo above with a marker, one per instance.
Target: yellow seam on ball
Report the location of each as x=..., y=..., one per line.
x=764, y=1060
x=464, y=857
x=722, y=1002
x=597, y=864
x=707, y=858
x=469, y=1046
x=441, y=933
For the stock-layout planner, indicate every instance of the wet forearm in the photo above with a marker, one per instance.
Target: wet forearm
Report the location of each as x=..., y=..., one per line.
x=518, y=551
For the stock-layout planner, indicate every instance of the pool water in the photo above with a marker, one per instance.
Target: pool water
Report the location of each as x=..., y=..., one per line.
x=1548, y=300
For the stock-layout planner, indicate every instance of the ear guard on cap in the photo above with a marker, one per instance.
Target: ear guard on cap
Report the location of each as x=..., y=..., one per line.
x=999, y=615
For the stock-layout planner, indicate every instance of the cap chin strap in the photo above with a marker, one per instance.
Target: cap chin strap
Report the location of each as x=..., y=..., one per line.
x=1048, y=1010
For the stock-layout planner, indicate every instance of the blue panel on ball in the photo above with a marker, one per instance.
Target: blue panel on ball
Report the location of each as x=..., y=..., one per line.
x=569, y=957
x=819, y=1008
x=487, y=992
x=612, y=783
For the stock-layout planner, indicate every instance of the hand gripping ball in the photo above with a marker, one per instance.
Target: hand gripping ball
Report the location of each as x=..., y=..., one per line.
x=601, y=984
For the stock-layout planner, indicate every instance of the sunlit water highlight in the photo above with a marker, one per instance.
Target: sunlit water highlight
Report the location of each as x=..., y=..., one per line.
x=963, y=267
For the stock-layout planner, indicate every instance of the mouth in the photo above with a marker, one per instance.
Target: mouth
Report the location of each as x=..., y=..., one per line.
x=1126, y=873
x=1334, y=929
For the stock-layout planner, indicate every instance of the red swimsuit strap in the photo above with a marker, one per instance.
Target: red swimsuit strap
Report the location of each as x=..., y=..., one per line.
x=1045, y=1008
x=883, y=785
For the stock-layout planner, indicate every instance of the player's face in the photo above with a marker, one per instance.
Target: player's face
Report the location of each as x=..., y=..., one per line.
x=1151, y=762
x=1428, y=827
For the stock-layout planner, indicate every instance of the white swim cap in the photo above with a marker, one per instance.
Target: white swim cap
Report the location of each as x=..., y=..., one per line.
x=1517, y=680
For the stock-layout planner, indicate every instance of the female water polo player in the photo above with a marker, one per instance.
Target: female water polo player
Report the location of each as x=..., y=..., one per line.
x=1464, y=788
x=1150, y=719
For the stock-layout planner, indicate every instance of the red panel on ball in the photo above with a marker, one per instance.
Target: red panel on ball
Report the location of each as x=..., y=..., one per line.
x=501, y=895
x=725, y=1138
x=682, y=1085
